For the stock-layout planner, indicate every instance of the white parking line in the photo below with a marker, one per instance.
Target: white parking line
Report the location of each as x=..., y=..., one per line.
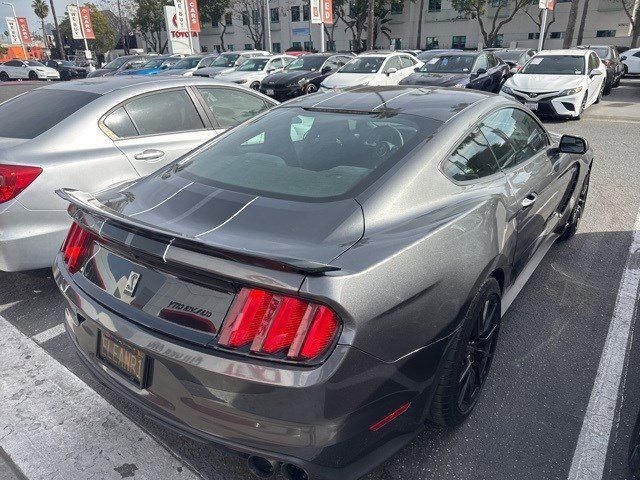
x=48, y=334
x=591, y=450
x=55, y=427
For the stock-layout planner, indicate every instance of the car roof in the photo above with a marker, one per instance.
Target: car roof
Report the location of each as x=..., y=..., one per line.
x=512, y=50
x=430, y=102
x=567, y=52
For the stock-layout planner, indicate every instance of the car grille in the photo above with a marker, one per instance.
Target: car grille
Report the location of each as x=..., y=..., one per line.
x=534, y=94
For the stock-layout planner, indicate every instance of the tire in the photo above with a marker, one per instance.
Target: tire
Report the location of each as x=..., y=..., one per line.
x=607, y=87
x=600, y=93
x=255, y=86
x=311, y=88
x=4, y=77
x=468, y=359
x=571, y=227
x=33, y=75
x=65, y=76
x=634, y=451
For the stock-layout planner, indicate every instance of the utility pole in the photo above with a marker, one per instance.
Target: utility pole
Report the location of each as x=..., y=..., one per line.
x=372, y=26
x=63, y=55
x=125, y=44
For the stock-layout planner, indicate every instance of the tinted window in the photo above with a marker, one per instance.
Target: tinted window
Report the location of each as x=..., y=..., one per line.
x=291, y=152
x=481, y=62
x=393, y=62
x=13, y=63
x=471, y=160
x=120, y=124
x=231, y=107
x=363, y=65
x=33, y=113
x=499, y=143
x=164, y=112
x=555, y=65
x=525, y=135
x=306, y=62
x=406, y=62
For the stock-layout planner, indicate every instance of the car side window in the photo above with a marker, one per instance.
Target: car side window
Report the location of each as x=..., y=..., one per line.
x=164, y=112
x=406, y=62
x=593, y=61
x=231, y=107
x=491, y=60
x=13, y=63
x=481, y=62
x=331, y=64
x=120, y=123
x=525, y=135
x=471, y=160
x=393, y=62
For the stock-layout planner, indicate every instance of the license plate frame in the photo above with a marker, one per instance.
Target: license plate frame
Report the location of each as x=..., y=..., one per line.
x=136, y=374
x=270, y=91
x=531, y=105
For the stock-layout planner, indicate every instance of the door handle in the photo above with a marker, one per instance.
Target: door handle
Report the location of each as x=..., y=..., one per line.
x=529, y=200
x=151, y=154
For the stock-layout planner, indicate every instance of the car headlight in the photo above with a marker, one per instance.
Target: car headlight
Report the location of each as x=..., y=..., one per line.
x=507, y=90
x=570, y=91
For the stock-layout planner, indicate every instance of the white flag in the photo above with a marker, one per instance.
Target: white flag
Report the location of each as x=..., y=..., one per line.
x=12, y=28
x=316, y=15
x=75, y=22
x=182, y=16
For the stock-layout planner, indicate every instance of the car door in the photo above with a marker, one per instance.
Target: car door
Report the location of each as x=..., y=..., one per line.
x=480, y=77
x=389, y=76
x=154, y=129
x=538, y=180
x=595, y=81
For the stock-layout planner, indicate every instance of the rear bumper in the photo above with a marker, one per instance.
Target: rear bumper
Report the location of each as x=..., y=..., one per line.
x=315, y=418
x=282, y=93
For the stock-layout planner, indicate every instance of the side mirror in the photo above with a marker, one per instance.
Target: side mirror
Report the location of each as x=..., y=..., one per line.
x=392, y=70
x=571, y=144
x=24, y=66
x=481, y=71
x=270, y=70
x=417, y=69
x=325, y=70
x=594, y=73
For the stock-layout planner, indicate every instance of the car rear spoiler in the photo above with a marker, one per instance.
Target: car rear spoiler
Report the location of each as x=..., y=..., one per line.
x=85, y=202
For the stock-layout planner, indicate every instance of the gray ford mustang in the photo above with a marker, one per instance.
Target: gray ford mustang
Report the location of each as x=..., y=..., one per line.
x=312, y=286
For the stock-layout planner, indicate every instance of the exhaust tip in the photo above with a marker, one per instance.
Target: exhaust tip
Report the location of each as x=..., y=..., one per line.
x=262, y=467
x=293, y=472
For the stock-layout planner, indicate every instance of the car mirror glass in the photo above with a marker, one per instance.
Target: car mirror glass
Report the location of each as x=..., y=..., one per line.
x=571, y=144
x=481, y=71
x=392, y=70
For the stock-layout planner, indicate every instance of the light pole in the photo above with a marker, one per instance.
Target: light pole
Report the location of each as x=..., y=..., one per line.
x=13, y=9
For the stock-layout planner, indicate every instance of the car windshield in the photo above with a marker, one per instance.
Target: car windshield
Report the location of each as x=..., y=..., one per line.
x=154, y=63
x=363, y=65
x=602, y=52
x=189, y=62
x=292, y=152
x=449, y=64
x=306, y=62
x=29, y=115
x=226, y=60
x=509, y=56
x=117, y=63
x=33, y=63
x=253, y=65
x=555, y=65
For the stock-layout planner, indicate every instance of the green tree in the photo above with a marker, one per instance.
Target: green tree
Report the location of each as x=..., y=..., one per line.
x=41, y=9
x=149, y=20
x=491, y=15
x=105, y=36
x=632, y=11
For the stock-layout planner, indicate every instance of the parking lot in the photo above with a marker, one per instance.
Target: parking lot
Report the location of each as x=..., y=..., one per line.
x=554, y=341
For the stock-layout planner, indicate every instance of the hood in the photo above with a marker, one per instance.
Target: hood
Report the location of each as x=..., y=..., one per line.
x=543, y=83
x=101, y=72
x=436, y=79
x=339, y=80
x=235, y=75
x=213, y=71
x=262, y=226
x=288, y=76
x=176, y=71
x=140, y=71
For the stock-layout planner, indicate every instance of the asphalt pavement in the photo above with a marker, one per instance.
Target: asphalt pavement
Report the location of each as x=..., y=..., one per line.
x=528, y=422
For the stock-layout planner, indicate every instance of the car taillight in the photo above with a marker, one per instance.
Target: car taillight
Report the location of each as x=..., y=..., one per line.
x=75, y=248
x=271, y=324
x=14, y=179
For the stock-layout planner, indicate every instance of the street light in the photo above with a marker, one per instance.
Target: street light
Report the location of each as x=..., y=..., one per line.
x=24, y=50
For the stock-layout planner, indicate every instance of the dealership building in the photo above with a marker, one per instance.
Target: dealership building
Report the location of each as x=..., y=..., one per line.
x=442, y=27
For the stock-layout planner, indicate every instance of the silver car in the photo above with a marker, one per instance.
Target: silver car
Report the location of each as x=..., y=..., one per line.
x=91, y=134
x=253, y=71
x=229, y=61
x=186, y=66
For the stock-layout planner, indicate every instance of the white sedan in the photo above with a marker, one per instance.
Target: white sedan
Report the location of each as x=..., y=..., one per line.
x=559, y=82
x=373, y=68
x=631, y=61
x=253, y=71
x=27, y=70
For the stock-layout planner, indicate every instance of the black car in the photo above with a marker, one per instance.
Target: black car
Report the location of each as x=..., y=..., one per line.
x=611, y=59
x=303, y=75
x=476, y=70
x=514, y=57
x=68, y=70
x=120, y=64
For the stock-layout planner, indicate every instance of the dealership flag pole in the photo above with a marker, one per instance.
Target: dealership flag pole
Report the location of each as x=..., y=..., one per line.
x=15, y=25
x=545, y=5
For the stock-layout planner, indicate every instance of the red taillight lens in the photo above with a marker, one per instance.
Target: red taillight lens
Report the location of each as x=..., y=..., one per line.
x=75, y=248
x=14, y=179
x=279, y=325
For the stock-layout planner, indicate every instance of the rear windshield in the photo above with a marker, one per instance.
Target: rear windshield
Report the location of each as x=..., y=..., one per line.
x=309, y=155
x=512, y=56
x=33, y=113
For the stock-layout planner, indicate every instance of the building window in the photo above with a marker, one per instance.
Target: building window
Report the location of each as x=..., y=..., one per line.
x=230, y=47
x=555, y=35
x=275, y=47
x=295, y=14
x=216, y=48
x=435, y=5
x=606, y=33
x=498, y=3
x=459, y=41
x=308, y=46
x=247, y=46
x=228, y=19
x=245, y=18
x=305, y=12
x=561, y=1
x=431, y=43
x=255, y=16
x=214, y=24
x=331, y=46
x=297, y=46
x=499, y=40
x=397, y=7
x=534, y=36
x=274, y=15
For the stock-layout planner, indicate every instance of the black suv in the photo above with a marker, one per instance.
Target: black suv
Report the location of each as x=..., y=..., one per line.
x=611, y=59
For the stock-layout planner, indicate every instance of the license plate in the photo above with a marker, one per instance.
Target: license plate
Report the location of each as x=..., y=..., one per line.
x=531, y=105
x=131, y=362
x=269, y=91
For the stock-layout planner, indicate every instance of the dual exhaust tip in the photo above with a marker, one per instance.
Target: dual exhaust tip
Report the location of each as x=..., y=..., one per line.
x=264, y=468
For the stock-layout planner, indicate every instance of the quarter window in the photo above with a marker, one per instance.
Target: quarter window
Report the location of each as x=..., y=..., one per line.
x=120, y=124
x=164, y=112
x=472, y=159
x=231, y=107
x=393, y=62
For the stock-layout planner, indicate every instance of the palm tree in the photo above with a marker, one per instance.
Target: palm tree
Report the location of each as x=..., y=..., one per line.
x=41, y=9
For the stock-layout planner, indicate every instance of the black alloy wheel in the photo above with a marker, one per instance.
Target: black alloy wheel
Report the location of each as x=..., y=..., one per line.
x=255, y=86
x=33, y=75
x=311, y=88
x=4, y=77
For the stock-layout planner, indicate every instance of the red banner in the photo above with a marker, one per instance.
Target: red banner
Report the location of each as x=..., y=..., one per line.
x=24, y=30
x=194, y=18
x=87, y=24
x=327, y=11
